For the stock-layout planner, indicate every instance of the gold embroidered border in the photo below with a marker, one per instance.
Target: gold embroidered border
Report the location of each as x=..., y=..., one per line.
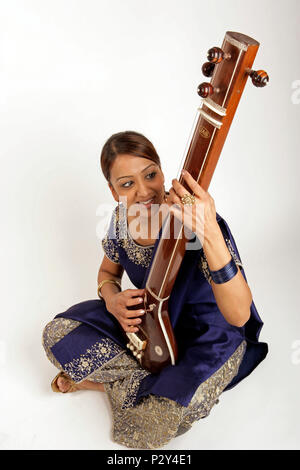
x=140, y=255
x=203, y=264
x=99, y=354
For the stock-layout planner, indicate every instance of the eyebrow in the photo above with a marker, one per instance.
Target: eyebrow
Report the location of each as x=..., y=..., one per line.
x=128, y=176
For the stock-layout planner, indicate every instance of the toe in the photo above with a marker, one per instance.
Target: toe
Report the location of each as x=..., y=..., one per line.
x=62, y=384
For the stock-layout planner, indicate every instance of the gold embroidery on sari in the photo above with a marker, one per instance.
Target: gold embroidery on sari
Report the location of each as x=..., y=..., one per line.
x=233, y=253
x=138, y=254
x=110, y=249
x=208, y=392
x=203, y=264
x=155, y=420
x=53, y=332
x=94, y=358
x=105, y=361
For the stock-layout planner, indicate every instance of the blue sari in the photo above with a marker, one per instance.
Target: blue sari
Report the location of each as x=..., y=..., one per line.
x=205, y=339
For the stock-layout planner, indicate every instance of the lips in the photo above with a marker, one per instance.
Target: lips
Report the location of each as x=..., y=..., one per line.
x=148, y=201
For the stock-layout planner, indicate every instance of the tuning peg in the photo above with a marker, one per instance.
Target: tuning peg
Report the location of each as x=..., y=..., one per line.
x=216, y=55
x=259, y=77
x=205, y=89
x=208, y=69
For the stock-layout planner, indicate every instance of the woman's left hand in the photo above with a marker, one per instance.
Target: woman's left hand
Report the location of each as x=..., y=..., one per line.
x=199, y=217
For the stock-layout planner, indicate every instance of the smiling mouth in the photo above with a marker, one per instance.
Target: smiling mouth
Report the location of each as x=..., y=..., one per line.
x=146, y=202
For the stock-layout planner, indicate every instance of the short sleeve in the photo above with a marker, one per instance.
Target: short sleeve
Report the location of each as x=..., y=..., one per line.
x=110, y=242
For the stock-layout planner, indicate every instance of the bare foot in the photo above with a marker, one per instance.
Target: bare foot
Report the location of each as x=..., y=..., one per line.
x=64, y=385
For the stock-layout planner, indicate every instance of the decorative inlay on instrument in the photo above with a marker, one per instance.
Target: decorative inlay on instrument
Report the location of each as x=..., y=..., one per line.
x=229, y=67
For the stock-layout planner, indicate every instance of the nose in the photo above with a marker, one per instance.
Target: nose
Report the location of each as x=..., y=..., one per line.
x=142, y=190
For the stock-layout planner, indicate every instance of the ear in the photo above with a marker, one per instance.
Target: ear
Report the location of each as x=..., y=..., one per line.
x=114, y=193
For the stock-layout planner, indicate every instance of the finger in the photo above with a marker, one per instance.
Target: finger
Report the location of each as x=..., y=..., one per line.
x=195, y=187
x=174, y=198
x=182, y=192
x=168, y=199
x=133, y=321
x=134, y=301
x=130, y=329
x=177, y=212
x=179, y=190
x=134, y=292
x=125, y=314
x=134, y=313
x=184, y=216
x=138, y=291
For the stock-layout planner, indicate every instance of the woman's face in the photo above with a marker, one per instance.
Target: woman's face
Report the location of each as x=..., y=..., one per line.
x=136, y=180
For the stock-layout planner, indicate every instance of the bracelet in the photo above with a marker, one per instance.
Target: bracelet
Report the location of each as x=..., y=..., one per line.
x=224, y=274
x=102, y=284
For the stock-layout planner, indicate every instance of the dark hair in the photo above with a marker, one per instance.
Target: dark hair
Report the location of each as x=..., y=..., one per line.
x=127, y=142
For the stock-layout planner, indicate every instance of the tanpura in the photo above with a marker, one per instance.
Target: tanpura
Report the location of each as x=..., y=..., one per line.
x=229, y=67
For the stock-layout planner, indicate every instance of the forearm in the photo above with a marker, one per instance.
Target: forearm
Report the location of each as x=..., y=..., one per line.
x=233, y=297
x=108, y=288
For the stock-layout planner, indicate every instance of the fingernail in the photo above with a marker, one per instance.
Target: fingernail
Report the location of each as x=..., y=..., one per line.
x=183, y=172
x=142, y=311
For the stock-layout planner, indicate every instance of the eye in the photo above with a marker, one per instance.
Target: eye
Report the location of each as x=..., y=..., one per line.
x=152, y=175
x=124, y=185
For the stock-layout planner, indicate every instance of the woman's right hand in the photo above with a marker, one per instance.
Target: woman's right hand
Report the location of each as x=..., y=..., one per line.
x=117, y=305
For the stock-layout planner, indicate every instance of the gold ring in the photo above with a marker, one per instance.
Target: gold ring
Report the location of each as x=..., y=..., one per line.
x=188, y=199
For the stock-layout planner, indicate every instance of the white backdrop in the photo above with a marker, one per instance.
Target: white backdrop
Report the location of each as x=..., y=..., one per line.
x=73, y=73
